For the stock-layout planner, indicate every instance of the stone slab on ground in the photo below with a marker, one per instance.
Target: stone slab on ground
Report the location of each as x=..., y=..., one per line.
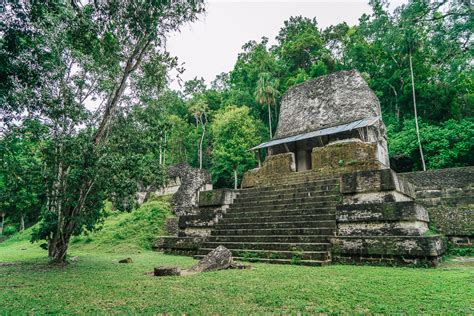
x=166, y=271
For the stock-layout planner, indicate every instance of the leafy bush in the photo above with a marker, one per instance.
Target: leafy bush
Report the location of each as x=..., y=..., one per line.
x=9, y=230
x=449, y=144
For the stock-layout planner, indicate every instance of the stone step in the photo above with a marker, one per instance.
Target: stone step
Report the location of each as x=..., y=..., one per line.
x=255, y=213
x=269, y=246
x=273, y=231
x=276, y=254
x=304, y=175
x=314, y=263
x=276, y=218
x=297, y=200
x=282, y=190
x=280, y=207
x=291, y=185
x=264, y=225
x=270, y=239
x=287, y=194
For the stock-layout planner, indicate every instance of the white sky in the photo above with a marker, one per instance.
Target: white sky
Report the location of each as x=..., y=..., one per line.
x=211, y=45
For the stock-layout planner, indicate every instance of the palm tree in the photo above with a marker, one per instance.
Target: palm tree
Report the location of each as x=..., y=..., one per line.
x=199, y=108
x=266, y=93
x=411, y=45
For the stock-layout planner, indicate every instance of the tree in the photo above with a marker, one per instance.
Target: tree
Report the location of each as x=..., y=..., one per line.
x=78, y=51
x=235, y=132
x=199, y=108
x=267, y=94
x=21, y=186
x=447, y=145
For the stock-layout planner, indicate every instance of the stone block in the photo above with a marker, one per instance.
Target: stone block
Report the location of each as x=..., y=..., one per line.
x=345, y=157
x=411, y=246
x=442, y=178
x=216, y=197
x=171, y=226
x=374, y=181
x=453, y=221
x=375, y=197
x=400, y=228
x=385, y=212
x=166, y=271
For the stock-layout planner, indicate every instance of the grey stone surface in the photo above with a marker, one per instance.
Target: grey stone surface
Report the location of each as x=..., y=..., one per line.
x=326, y=101
x=184, y=201
x=166, y=271
x=448, y=195
x=441, y=178
x=218, y=259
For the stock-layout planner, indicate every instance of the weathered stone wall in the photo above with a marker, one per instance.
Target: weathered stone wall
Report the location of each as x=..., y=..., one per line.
x=192, y=229
x=335, y=99
x=346, y=156
x=448, y=195
x=276, y=165
x=379, y=222
x=193, y=180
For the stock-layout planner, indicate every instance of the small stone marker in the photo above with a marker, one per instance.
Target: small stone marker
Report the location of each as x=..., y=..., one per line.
x=166, y=271
x=126, y=260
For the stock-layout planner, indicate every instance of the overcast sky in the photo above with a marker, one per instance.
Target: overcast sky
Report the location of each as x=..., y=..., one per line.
x=210, y=46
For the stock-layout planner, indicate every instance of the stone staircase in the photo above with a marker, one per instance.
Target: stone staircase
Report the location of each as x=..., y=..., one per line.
x=289, y=221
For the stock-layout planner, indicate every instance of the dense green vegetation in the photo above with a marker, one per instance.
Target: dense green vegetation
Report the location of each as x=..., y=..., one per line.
x=87, y=115
x=97, y=283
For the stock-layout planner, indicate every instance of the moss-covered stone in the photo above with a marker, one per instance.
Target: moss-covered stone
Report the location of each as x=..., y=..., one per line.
x=275, y=165
x=216, y=197
x=412, y=246
x=453, y=221
x=395, y=211
x=345, y=157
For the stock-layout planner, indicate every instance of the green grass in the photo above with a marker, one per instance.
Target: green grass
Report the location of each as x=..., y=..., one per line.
x=130, y=232
x=97, y=283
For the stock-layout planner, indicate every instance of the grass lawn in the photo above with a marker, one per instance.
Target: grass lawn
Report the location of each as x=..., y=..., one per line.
x=97, y=283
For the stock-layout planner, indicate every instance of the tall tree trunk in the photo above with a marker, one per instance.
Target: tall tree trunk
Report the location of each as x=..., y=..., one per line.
x=397, y=108
x=416, y=116
x=3, y=223
x=22, y=222
x=235, y=178
x=200, y=145
x=58, y=246
x=270, y=120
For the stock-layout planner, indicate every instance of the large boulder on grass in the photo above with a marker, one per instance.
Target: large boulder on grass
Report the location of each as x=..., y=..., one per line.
x=218, y=259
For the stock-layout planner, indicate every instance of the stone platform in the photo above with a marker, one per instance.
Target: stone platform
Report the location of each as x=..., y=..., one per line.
x=354, y=213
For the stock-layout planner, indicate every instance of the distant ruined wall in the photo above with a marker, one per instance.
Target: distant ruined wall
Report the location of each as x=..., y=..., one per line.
x=448, y=195
x=193, y=180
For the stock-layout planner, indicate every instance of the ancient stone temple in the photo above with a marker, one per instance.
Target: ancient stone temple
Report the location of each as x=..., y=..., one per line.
x=325, y=191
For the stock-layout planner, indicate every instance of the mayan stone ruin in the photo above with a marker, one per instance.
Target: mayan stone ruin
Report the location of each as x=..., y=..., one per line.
x=325, y=191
